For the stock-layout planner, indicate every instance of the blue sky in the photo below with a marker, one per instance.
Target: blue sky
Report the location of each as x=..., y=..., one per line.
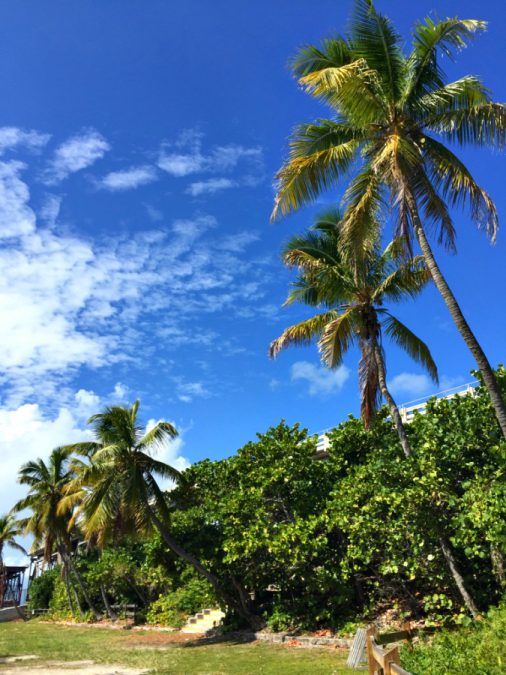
x=138, y=147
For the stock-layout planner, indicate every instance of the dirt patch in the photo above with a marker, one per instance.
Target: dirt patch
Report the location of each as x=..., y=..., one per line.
x=71, y=668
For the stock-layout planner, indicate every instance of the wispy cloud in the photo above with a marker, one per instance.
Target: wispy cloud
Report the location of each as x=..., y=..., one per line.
x=11, y=137
x=320, y=380
x=67, y=303
x=128, y=179
x=210, y=186
x=77, y=153
x=187, y=391
x=186, y=157
x=16, y=217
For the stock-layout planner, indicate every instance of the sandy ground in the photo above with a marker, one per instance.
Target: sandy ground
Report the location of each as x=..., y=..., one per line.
x=19, y=667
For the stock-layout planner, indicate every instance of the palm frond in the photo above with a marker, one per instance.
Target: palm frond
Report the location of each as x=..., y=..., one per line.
x=407, y=280
x=480, y=125
x=319, y=155
x=361, y=222
x=464, y=93
x=457, y=185
x=159, y=434
x=410, y=343
x=334, y=53
x=430, y=39
x=375, y=40
x=302, y=333
x=337, y=337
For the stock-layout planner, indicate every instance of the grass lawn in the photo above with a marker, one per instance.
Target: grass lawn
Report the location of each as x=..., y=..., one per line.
x=138, y=650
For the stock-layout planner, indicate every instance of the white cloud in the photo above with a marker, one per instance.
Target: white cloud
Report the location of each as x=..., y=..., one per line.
x=210, y=186
x=186, y=157
x=239, y=241
x=120, y=392
x=410, y=384
x=129, y=178
x=11, y=137
x=16, y=216
x=187, y=391
x=321, y=380
x=77, y=153
x=27, y=433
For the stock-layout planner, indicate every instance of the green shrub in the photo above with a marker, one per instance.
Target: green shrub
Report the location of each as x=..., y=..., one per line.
x=41, y=589
x=480, y=650
x=59, y=604
x=172, y=609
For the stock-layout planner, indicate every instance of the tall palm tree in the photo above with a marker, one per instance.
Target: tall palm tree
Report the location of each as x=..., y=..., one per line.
x=9, y=530
x=353, y=297
x=117, y=490
x=47, y=522
x=353, y=293
x=394, y=116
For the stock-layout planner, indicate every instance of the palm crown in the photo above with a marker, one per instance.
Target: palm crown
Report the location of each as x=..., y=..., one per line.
x=9, y=530
x=353, y=297
x=47, y=522
x=390, y=108
x=115, y=490
x=394, y=114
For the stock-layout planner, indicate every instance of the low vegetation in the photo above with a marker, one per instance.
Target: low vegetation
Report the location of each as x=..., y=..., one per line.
x=49, y=643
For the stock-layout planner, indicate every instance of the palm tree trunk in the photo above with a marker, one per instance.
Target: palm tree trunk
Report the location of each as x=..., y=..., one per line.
x=110, y=612
x=253, y=620
x=457, y=577
x=394, y=410
x=67, y=587
x=81, y=585
x=401, y=431
x=459, y=318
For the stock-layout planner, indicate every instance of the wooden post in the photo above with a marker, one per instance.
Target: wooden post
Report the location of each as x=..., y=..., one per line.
x=391, y=656
x=371, y=633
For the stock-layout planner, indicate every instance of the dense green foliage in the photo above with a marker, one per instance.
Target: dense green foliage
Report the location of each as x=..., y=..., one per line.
x=308, y=542
x=42, y=589
x=173, y=608
x=319, y=541
x=480, y=650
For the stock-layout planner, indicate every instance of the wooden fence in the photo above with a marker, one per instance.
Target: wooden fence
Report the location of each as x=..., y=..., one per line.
x=382, y=660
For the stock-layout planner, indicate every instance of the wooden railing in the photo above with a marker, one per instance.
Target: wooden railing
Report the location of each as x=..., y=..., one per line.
x=382, y=660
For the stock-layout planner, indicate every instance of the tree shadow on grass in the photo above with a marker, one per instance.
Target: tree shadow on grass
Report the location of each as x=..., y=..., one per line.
x=235, y=638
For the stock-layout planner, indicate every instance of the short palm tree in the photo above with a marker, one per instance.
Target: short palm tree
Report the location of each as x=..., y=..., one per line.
x=47, y=522
x=394, y=116
x=117, y=489
x=9, y=530
x=353, y=297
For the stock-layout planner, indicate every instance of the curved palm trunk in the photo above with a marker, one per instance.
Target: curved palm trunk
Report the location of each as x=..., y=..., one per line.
x=253, y=620
x=459, y=318
x=110, y=612
x=444, y=544
x=81, y=584
x=457, y=577
x=394, y=410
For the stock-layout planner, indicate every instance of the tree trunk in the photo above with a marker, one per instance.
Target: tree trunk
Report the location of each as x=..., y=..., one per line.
x=401, y=431
x=457, y=577
x=498, y=565
x=67, y=586
x=110, y=612
x=394, y=410
x=81, y=585
x=458, y=317
x=254, y=621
